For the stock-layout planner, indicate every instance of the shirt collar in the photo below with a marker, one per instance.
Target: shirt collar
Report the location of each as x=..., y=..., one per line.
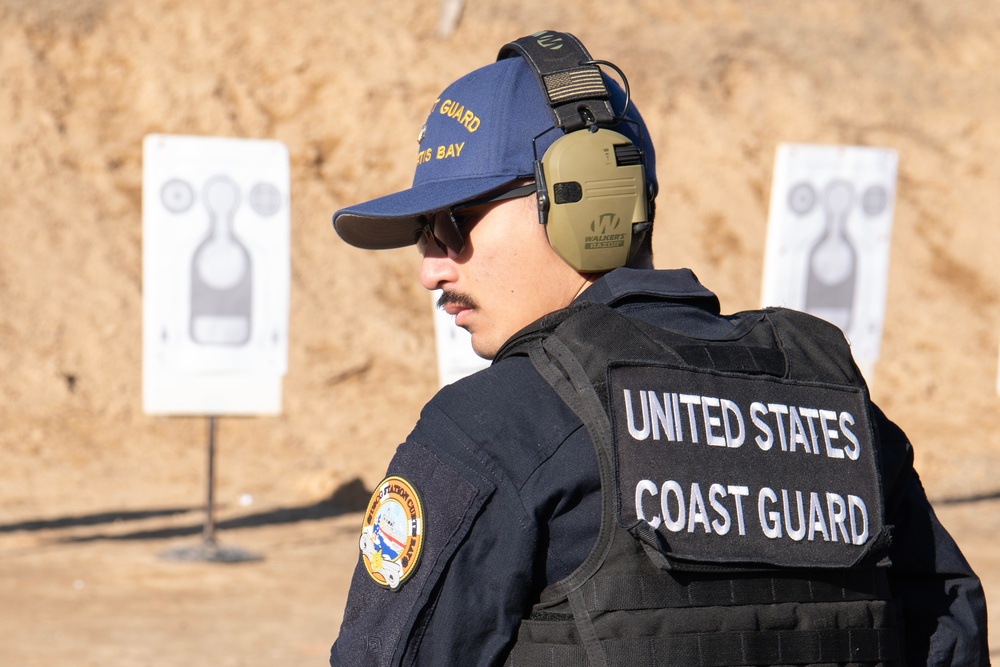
x=624, y=284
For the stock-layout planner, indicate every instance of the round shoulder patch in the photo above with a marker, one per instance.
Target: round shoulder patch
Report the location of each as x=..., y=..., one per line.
x=392, y=533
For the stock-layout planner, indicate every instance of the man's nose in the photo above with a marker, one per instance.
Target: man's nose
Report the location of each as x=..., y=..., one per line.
x=437, y=268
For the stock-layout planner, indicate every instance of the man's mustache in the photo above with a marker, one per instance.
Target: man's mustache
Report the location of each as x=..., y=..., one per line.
x=457, y=298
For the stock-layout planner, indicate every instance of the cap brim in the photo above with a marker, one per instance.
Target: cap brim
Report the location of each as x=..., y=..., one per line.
x=393, y=221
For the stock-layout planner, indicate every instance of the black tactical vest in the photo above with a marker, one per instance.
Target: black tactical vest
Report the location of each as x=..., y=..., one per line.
x=742, y=519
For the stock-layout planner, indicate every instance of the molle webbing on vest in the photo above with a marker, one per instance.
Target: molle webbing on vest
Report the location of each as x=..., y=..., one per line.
x=829, y=646
x=682, y=589
x=736, y=359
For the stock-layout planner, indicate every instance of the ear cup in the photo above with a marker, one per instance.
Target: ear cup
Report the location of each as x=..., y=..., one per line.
x=595, y=190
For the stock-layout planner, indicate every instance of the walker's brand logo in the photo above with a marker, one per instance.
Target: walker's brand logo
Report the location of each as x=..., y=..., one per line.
x=548, y=40
x=605, y=234
x=729, y=468
x=392, y=533
x=604, y=223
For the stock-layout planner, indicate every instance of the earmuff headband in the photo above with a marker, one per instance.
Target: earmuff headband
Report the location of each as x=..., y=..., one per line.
x=571, y=80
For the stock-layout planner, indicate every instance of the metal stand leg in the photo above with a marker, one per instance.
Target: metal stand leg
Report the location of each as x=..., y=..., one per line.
x=208, y=534
x=209, y=549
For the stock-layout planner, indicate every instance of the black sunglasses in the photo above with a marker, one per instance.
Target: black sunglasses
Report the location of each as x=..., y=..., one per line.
x=445, y=226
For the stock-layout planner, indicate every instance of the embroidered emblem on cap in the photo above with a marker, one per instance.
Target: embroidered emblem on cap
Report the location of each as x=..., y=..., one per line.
x=392, y=533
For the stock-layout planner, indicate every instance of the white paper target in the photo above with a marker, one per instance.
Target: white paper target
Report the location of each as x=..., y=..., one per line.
x=455, y=356
x=828, y=236
x=215, y=274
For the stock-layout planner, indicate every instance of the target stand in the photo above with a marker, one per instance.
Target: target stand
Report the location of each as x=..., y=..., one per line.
x=209, y=550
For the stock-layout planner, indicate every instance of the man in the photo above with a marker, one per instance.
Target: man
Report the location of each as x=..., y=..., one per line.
x=636, y=479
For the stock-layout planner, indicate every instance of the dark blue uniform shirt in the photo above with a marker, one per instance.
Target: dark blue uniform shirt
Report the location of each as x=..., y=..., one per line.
x=510, y=493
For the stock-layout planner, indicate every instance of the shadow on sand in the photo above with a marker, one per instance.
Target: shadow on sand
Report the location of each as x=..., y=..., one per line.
x=348, y=498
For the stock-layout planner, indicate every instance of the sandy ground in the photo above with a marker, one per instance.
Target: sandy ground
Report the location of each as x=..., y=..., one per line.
x=92, y=490
x=99, y=592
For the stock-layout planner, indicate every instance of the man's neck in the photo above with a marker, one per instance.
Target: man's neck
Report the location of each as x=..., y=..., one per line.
x=588, y=280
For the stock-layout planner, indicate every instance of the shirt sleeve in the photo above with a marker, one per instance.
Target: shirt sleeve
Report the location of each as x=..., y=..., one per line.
x=510, y=502
x=382, y=620
x=941, y=599
x=464, y=601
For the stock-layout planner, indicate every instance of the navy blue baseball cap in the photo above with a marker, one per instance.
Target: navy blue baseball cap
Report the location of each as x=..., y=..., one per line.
x=480, y=136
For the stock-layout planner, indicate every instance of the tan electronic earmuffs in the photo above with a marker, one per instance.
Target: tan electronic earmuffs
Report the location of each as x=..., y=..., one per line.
x=593, y=197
